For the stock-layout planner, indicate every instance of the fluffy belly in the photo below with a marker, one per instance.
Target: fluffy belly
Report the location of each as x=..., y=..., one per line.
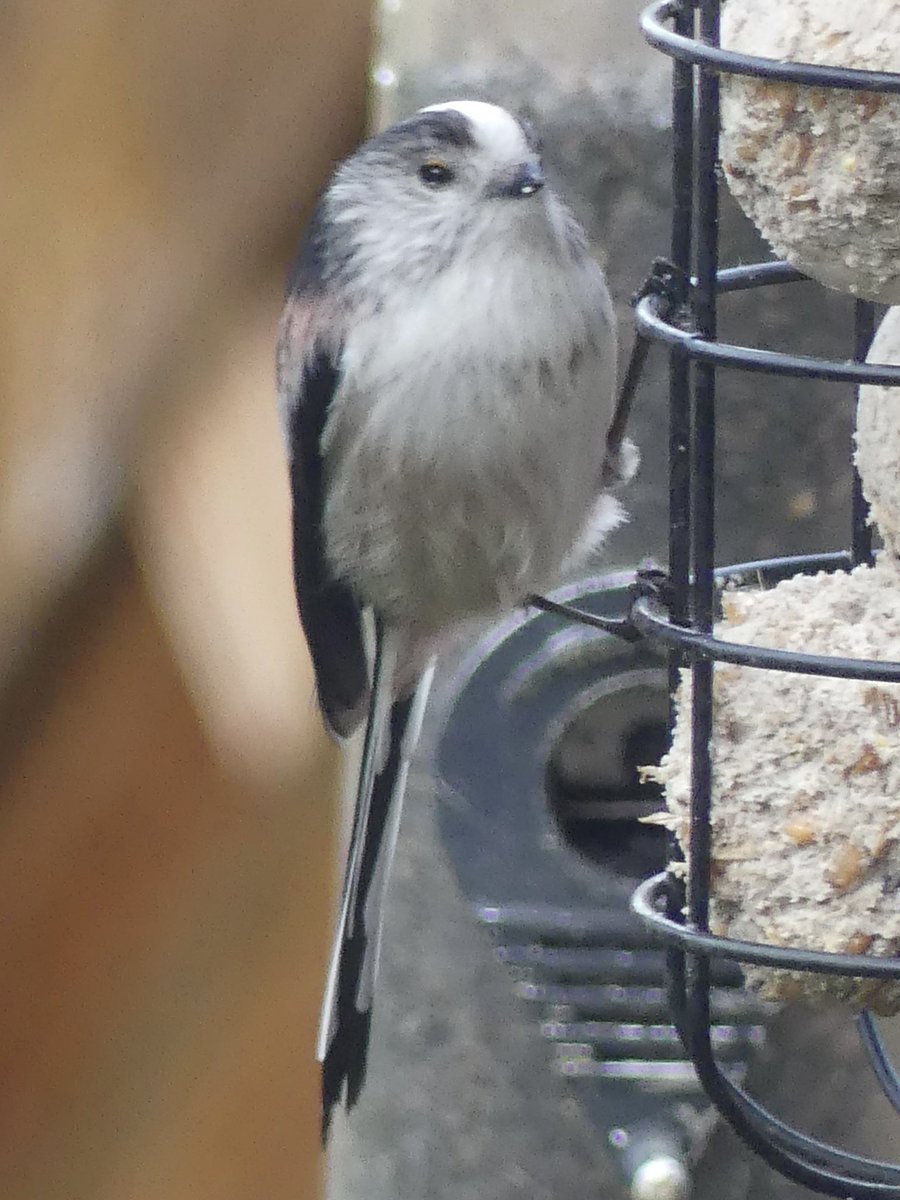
x=433, y=547
x=455, y=494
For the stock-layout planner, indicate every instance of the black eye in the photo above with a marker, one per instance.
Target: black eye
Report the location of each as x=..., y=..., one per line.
x=435, y=173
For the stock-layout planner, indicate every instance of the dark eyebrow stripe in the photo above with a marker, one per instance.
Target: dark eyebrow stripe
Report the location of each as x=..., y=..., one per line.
x=446, y=127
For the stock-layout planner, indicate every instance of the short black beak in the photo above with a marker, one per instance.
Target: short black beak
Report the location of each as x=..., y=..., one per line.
x=527, y=178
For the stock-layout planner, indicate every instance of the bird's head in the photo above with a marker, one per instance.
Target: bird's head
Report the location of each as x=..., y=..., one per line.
x=459, y=178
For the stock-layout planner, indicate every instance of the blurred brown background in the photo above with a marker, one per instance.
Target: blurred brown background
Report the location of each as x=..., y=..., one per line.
x=166, y=805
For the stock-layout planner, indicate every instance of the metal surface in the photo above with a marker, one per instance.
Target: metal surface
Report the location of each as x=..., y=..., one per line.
x=687, y=324
x=550, y=871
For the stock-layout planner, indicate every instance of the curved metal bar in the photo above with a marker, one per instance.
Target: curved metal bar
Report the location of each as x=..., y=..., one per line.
x=728, y=61
x=797, y=1155
x=685, y=321
x=879, y=1057
x=783, y=568
x=804, y=1158
x=649, y=619
x=767, y=569
x=755, y=1113
x=800, y=1156
x=616, y=626
x=708, y=945
x=761, y=274
x=750, y=358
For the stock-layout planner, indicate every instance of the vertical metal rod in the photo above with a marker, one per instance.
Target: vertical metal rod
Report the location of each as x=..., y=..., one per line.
x=861, y=531
x=703, y=542
x=679, y=365
x=703, y=490
x=680, y=419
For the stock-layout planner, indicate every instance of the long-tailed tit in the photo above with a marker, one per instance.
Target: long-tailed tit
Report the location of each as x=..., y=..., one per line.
x=446, y=370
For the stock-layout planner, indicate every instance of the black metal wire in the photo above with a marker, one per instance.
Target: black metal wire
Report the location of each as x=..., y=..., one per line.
x=870, y=1036
x=653, y=598
x=703, y=504
x=651, y=894
x=621, y=627
x=860, y=529
x=679, y=44
x=679, y=429
x=803, y=1158
x=679, y=612
x=695, y=346
x=650, y=619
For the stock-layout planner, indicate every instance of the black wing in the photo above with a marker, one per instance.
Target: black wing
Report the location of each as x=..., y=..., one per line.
x=329, y=611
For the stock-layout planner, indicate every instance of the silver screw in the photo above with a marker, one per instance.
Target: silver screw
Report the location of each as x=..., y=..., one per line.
x=662, y=1177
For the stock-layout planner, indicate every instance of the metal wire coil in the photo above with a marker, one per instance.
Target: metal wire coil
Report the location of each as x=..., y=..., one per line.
x=678, y=309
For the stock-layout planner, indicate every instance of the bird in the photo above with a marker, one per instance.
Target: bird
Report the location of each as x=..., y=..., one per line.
x=446, y=371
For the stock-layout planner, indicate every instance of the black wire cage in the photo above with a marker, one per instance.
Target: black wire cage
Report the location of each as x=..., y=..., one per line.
x=677, y=609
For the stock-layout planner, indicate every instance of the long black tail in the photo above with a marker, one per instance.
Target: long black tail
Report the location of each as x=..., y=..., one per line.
x=391, y=733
